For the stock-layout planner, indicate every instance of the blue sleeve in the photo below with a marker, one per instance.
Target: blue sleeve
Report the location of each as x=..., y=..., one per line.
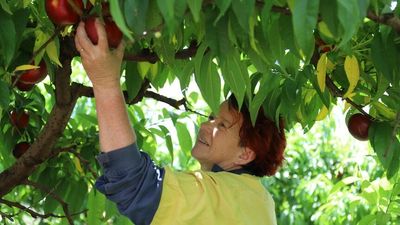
x=131, y=180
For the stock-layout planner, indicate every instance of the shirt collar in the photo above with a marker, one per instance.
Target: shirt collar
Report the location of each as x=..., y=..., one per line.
x=217, y=169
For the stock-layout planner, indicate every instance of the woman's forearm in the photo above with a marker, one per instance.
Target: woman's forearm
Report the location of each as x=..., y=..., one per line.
x=115, y=130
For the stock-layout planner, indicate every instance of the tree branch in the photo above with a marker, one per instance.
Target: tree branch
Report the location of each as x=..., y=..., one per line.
x=85, y=162
x=335, y=90
x=147, y=56
x=46, y=190
x=172, y=102
x=389, y=19
x=33, y=213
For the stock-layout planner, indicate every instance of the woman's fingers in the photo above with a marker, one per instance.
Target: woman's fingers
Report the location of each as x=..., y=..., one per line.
x=101, y=33
x=82, y=39
x=120, y=49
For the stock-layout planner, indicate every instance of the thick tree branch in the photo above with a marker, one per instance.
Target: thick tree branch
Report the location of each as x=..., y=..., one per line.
x=41, y=149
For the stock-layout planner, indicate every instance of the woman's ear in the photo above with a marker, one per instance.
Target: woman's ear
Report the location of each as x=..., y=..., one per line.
x=246, y=156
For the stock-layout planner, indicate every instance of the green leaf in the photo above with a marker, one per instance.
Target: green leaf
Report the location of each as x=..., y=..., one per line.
x=119, y=19
x=199, y=57
x=195, y=8
x=305, y=15
x=209, y=82
x=328, y=10
x=133, y=80
x=268, y=83
x=7, y=38
x=168, y=142
x=243, y=10
x=60, y=189
x=5, y=6
x=185, y=73
x=167, y=10
x=349, y=17
x=96, y=206
x=237, y=82
x=385, y=56
x=135, y=11
x=5, y=95
x=223, y=6
x=20, y=19
x=185, y=141
x=272, y=31
x=165, y=50
x=154, y=18
x=77, y=195
x=385, y=145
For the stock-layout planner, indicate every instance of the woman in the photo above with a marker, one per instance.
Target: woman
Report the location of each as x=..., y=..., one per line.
x=233, y=156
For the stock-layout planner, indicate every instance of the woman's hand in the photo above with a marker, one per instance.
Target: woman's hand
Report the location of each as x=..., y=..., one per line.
x=101, y=64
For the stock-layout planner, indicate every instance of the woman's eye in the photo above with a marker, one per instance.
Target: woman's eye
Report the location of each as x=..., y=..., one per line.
x=221, y=125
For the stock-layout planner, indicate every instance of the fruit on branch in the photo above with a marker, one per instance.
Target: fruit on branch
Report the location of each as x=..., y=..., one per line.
x=322, y=46
x=358, y=126
x=62, y=13
x=34, y=76
x=114, y=34
x=23, y=86
x=20, y=149
x=19, y=119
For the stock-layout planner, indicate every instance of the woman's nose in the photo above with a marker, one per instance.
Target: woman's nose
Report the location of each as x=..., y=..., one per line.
x=208, y=125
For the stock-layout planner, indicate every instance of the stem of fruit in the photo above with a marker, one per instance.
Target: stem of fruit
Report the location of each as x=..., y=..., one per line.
x=75, y=8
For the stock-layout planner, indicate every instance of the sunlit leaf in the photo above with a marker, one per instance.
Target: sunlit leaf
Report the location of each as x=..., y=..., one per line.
x=352, y=72
x=321, y=71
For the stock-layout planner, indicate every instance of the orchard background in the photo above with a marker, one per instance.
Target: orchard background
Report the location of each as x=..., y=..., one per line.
x=305, y=61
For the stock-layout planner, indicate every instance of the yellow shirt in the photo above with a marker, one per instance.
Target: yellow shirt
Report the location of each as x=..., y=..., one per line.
x=209, y=198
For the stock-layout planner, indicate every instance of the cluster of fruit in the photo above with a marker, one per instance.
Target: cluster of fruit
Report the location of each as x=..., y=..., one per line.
x=61, y=12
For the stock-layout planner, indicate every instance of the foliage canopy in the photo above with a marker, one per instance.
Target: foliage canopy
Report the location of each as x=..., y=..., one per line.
x=295, y=59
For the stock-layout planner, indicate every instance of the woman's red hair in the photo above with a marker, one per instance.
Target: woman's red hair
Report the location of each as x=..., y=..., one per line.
x=264, y=138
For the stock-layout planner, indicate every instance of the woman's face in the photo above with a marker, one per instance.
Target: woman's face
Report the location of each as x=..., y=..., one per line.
x=218, y=141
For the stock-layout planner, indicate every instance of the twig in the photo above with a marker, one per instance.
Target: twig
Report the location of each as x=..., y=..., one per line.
x=339, y=93
x=147, y=56
x=84, y=161
x=172, y=102
x=33, y=213
x=54, y=196
x=7, y=216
